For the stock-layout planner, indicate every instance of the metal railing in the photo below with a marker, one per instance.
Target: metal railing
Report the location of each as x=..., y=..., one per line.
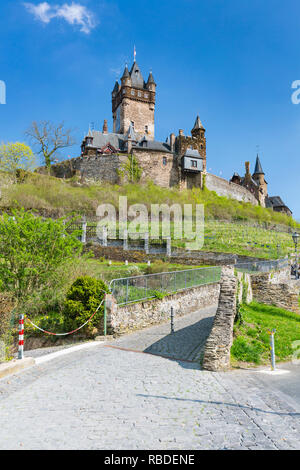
x=262, y=266
x=137, y=288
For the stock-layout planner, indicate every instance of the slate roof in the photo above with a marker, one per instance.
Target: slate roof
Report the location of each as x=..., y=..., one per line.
x=154, y=145
x=192, y=153
x=258, y=168
x=100, y=139
x=136, y=76
x=198, y=124
x=118, y=141
x=151, y=78
x=275, y=201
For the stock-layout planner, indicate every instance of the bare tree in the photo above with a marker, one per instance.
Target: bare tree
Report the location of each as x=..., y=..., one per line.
x=49, y=138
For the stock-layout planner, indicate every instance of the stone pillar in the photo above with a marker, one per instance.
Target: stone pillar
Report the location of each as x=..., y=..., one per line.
x=219, y=342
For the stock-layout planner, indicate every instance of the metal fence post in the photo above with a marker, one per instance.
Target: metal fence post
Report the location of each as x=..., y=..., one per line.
x=105, y=318
x=172, y=320
x=272, y=344
x=21, y=336
x=84, y=227
x=127, y=287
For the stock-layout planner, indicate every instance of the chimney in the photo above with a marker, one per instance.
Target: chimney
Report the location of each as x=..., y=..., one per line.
x=105, y=130
x=247, y=166
x=172, y=142
x=181, y=132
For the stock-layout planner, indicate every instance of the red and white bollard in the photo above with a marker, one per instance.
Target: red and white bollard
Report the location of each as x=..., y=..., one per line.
x=21, y=336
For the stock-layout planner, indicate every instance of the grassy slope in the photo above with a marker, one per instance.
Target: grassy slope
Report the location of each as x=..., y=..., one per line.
x=252, y=341
x=39, y=191
x=59, y=197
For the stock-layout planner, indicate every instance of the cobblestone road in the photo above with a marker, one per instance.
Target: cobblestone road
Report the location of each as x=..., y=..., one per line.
x=113, y=399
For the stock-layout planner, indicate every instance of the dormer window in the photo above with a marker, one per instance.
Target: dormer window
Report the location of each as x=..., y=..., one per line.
x=89, y=141
x=194, y=163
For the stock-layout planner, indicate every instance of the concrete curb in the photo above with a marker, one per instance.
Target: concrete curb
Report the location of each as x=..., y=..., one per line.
x=15, y=366
x=64, y=352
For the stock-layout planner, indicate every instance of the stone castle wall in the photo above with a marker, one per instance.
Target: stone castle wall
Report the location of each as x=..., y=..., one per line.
x=160, y=167
x=224, y=188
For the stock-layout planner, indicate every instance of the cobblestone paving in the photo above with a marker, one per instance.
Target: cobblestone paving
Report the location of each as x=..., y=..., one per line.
x=187, y=343
x=111, y=399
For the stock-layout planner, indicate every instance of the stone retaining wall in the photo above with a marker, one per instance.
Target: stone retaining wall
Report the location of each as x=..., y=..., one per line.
x=271, y=290
x=193, y=258
x=219, y=342
x=142, y=314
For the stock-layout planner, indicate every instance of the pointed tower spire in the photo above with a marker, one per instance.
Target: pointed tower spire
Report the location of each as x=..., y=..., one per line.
x=258, y=168
x=125, y=73
x=198, y=124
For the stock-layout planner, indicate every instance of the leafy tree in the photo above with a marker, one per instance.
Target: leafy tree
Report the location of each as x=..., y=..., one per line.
x=15, y=156
x=49, y=138
x=32, y=249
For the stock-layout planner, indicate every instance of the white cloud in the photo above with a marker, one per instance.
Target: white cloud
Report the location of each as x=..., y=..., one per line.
x=42, y=11
x=73, y=13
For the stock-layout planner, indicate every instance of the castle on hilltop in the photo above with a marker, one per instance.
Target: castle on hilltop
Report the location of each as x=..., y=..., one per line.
x=179, y=161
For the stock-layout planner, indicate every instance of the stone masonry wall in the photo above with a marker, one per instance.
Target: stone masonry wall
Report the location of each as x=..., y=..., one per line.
x=224, y=188
x=143, y=314
x=219, y=342
x=193, y=258
x=154, y=169
x=281, y=294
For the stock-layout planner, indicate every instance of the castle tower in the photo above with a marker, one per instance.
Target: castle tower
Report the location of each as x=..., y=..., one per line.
x=133, y=103
x=259, y=178
x=198, y=133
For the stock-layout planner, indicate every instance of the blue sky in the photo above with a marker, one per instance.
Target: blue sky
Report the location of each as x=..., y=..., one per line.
x=230, y=61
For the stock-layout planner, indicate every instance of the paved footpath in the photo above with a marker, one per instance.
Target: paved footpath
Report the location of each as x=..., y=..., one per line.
x=108, y=398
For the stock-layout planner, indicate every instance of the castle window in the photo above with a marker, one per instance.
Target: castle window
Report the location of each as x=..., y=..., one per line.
x=139, y=94
x=146, y=129
x=164, y=161
x=132, y=92
x=124, y=91
x=194, y=163
x=146, y=95
x=132, y=123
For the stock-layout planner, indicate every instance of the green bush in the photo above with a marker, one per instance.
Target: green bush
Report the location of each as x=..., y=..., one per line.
x=83, y=298
x=158, y=267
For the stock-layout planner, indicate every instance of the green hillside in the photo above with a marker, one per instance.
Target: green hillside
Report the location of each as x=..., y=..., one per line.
x=231, y=226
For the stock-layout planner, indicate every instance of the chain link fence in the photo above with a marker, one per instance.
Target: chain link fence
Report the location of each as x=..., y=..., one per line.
x=133, y=289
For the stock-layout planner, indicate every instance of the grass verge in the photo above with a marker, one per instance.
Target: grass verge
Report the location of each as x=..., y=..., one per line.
x=251, y=339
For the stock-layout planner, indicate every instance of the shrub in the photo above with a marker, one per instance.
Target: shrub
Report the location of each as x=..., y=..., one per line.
x=83, y=298
x=158, y=267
